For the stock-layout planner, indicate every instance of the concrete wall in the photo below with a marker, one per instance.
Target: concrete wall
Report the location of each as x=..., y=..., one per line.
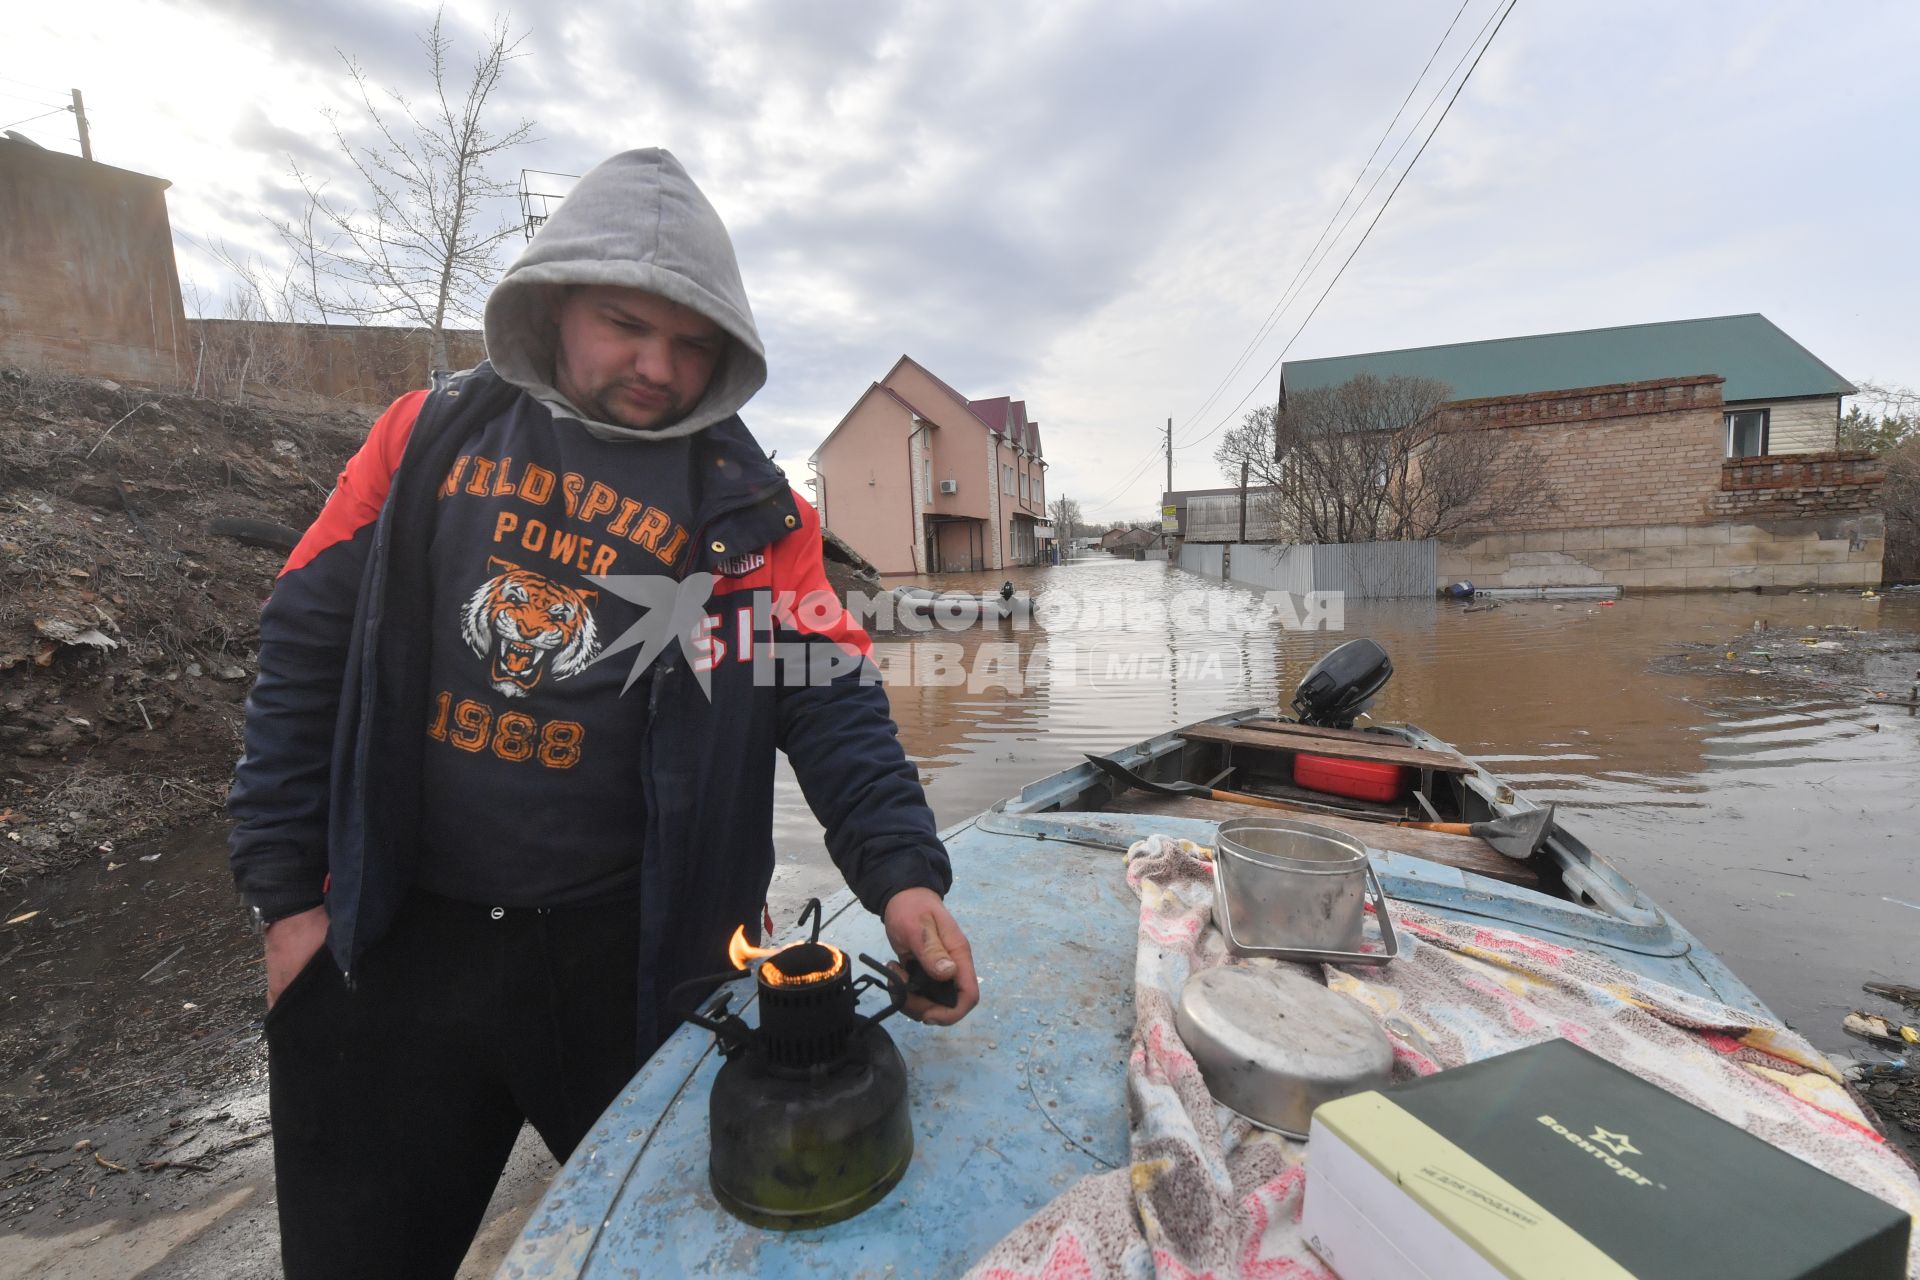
x=87, y=280
x=1839, y=551
x=1363, y=570
x=363, y=364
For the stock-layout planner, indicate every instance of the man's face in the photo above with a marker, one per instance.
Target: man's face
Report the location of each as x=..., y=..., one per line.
x=632, y=358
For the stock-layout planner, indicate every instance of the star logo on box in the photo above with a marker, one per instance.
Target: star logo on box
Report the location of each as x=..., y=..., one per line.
x=1618, y=1143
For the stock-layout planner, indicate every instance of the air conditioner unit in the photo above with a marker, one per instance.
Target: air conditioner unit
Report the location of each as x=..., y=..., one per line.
x=949, y=486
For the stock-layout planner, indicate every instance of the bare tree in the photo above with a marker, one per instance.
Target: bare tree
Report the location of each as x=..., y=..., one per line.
x=1378, y=460
x=1249, y=444
x=421, y=247
x=1892, y=417
x=1066, y=517
x=254, y=342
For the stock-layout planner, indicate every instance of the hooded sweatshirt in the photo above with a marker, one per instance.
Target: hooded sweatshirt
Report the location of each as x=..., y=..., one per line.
x=543, y=502
x=639, y=222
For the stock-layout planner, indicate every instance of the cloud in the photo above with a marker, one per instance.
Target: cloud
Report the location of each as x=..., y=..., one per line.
x=1096, y=205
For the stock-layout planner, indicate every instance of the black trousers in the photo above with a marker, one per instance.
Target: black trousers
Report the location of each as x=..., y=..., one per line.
x=396, y=1104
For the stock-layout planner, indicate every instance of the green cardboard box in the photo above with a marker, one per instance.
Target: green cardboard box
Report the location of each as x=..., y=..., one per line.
x=1549, y=1162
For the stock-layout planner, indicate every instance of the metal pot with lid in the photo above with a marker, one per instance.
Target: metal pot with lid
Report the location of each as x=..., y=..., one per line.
x=1273, y=1043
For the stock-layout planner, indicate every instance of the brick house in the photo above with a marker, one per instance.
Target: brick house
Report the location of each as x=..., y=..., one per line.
x=1682, y=455
x=919, y=479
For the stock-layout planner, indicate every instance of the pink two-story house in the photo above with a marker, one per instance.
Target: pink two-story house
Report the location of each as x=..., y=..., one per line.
x=919, y=479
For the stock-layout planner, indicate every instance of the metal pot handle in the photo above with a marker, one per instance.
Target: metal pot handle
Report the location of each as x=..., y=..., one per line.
x=1391, y=940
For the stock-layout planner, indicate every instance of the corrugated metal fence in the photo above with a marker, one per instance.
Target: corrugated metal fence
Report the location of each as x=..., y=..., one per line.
x=1363, y=570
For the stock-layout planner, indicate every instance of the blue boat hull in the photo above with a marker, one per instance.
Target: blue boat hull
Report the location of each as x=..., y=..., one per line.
x=1029, y=1093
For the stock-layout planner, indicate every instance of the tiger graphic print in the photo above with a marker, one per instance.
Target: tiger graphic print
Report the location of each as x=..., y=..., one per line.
x=524, y=624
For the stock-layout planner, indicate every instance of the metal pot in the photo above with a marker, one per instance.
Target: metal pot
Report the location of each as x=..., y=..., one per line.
x=1273, y=1044
x=1296, y=890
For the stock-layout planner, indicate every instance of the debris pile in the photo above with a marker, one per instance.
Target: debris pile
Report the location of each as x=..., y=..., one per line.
x=1877, y=666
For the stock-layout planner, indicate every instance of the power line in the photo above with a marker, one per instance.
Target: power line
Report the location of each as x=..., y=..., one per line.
x=1370, y=226
x=21, y=97
x=30, y=119
x=1119, y=493
x=1316, y=262
x=1286, y=294
x=1153, y=454
x=43, y=88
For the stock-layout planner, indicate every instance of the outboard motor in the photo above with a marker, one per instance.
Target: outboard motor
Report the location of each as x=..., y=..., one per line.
x=1342, y=685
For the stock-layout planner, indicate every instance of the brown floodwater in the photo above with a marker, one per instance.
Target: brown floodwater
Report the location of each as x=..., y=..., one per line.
x=1778, y=821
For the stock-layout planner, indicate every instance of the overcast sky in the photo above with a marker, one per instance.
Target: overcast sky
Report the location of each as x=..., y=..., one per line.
x=1095, y=205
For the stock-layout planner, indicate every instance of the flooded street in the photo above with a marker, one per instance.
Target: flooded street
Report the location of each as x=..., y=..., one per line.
x=1772, y=819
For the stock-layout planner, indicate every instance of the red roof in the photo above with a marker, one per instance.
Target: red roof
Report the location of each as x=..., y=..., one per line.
x=993, y=412
x=905, y=403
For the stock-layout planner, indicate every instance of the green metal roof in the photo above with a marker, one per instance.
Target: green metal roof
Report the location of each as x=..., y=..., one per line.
x=1758, y=361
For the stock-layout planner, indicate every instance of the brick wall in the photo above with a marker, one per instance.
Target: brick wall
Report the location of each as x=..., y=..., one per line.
x=1629, y=454
x=364, y=364
x=87, y=283
x=1799, y=485
x=1587, y=404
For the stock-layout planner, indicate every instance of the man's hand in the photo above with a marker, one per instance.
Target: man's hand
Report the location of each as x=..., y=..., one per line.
x=919, y=926
x=291, y=942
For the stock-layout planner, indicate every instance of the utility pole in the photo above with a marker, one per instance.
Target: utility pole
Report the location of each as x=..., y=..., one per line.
x=1163, y=512
x=80, y=114
x=1244, y=463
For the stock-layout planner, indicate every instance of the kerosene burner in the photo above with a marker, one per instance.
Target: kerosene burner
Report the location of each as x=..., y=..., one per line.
x=808, y=1118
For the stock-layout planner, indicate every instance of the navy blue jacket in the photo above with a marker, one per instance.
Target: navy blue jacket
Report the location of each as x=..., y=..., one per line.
x=326, y=797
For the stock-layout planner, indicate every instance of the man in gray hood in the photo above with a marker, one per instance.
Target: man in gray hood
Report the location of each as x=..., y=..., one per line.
x=484, y=844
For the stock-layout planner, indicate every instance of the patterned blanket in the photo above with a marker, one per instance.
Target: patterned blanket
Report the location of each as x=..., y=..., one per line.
x=1208, y=1195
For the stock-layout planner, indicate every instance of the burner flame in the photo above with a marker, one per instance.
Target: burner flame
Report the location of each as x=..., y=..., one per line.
x=774, y=976
x=743, y=953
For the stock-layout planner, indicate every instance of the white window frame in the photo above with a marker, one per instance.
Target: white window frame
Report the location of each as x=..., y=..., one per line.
x=1766, y=431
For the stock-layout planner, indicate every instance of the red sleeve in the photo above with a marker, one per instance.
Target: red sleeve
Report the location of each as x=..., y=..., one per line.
x=362, y=488
x=799, y=568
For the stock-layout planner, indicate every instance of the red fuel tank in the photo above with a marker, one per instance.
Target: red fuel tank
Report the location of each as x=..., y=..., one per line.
x=1355, y=779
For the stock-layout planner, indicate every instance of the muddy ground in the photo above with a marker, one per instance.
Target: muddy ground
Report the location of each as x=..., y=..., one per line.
x=1881, y=668
x=130, y=1062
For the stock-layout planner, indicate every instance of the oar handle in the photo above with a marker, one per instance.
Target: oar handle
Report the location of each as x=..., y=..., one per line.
x=1260, y=802
x=1447, y=828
